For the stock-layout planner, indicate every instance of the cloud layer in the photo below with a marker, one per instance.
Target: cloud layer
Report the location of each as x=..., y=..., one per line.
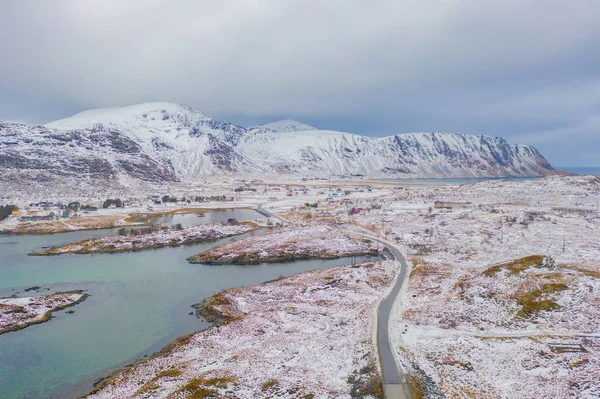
x=524, y=70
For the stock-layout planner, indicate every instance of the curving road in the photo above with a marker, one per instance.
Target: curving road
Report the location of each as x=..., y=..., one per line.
x=395, y=383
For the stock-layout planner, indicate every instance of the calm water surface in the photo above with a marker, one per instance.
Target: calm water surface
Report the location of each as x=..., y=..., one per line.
x=453, y=182
x=140, y=302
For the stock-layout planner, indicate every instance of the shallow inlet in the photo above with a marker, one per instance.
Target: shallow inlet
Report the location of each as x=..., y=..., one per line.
x=140, y=302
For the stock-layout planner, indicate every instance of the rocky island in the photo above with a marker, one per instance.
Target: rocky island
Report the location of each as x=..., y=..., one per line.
x=297, y=242
x=17, y=313
x=149, y=240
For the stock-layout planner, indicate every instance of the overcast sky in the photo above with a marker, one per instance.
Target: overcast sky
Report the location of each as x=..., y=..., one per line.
x=528, y=71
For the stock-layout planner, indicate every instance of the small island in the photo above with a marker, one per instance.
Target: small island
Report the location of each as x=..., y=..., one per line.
x=141, y=240
x=17, y=313
x=297, y=242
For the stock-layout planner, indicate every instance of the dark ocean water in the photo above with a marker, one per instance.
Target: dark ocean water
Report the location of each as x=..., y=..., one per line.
x=582, y=170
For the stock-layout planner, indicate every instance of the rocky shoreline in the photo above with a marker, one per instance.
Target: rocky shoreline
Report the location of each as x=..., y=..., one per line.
x=306, y=336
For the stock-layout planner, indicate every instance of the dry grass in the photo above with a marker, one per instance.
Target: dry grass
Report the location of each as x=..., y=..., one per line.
x=579, y=363
x=587, y=272
x=417, y=386
x=516, y=266
x=200, y=388
x=537, y=300
x=269, y=385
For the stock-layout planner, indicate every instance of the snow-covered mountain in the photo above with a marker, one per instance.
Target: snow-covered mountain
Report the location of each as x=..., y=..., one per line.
x=194, y=143
x=284, y=126
x=169, y=142
x=90, y=153
x=410, y=155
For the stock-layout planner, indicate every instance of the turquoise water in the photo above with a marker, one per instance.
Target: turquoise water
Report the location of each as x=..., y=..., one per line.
x=140, y=302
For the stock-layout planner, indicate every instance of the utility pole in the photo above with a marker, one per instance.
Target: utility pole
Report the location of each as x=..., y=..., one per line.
x=502, y=232
x=564, y=245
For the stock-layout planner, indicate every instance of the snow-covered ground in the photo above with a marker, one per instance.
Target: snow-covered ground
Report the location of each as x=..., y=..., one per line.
x=155, y=239
x=473, y=323
x=17, y=313
x=307, y=336
x=469, y=325
x=298, y=241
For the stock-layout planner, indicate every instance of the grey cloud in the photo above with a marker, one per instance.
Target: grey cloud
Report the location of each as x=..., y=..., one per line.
x=526, y=70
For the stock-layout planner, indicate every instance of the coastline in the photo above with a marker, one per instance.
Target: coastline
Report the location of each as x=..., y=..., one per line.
x=106, y=245
x=343, y=298
x=293, y=242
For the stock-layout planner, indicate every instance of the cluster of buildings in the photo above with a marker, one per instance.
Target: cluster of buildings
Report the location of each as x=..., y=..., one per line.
x=46, y=210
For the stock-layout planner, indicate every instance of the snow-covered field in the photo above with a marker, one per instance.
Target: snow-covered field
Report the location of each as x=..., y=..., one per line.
x=475, y=323
x=472, y=323
x=155, y=239
x=307, y=336
x=17, y=313
x=298, y=241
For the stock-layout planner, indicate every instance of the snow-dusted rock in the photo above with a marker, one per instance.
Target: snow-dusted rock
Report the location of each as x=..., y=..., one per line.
x=548, y=262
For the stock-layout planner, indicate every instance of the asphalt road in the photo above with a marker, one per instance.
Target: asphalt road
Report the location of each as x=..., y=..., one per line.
x=395, y=383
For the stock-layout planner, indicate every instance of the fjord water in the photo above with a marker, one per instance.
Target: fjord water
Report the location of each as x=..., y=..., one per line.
x=454, y=181
x=139, y=302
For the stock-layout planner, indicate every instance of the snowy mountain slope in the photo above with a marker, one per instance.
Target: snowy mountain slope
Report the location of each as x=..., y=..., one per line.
x=463, y=155
x=194, y=143
x=285, y=126
x=412, y=154
x=89, y=153
x=167, y=142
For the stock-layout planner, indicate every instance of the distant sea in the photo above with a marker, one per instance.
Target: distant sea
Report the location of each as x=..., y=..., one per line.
x=581, y=170
x=451, y=182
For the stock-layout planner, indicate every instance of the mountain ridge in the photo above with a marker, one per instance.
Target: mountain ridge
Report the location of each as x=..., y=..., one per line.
x=171, y=142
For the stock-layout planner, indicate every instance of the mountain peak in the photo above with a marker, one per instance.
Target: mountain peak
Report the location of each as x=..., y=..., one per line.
x=287, y=126
x=129, y=114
